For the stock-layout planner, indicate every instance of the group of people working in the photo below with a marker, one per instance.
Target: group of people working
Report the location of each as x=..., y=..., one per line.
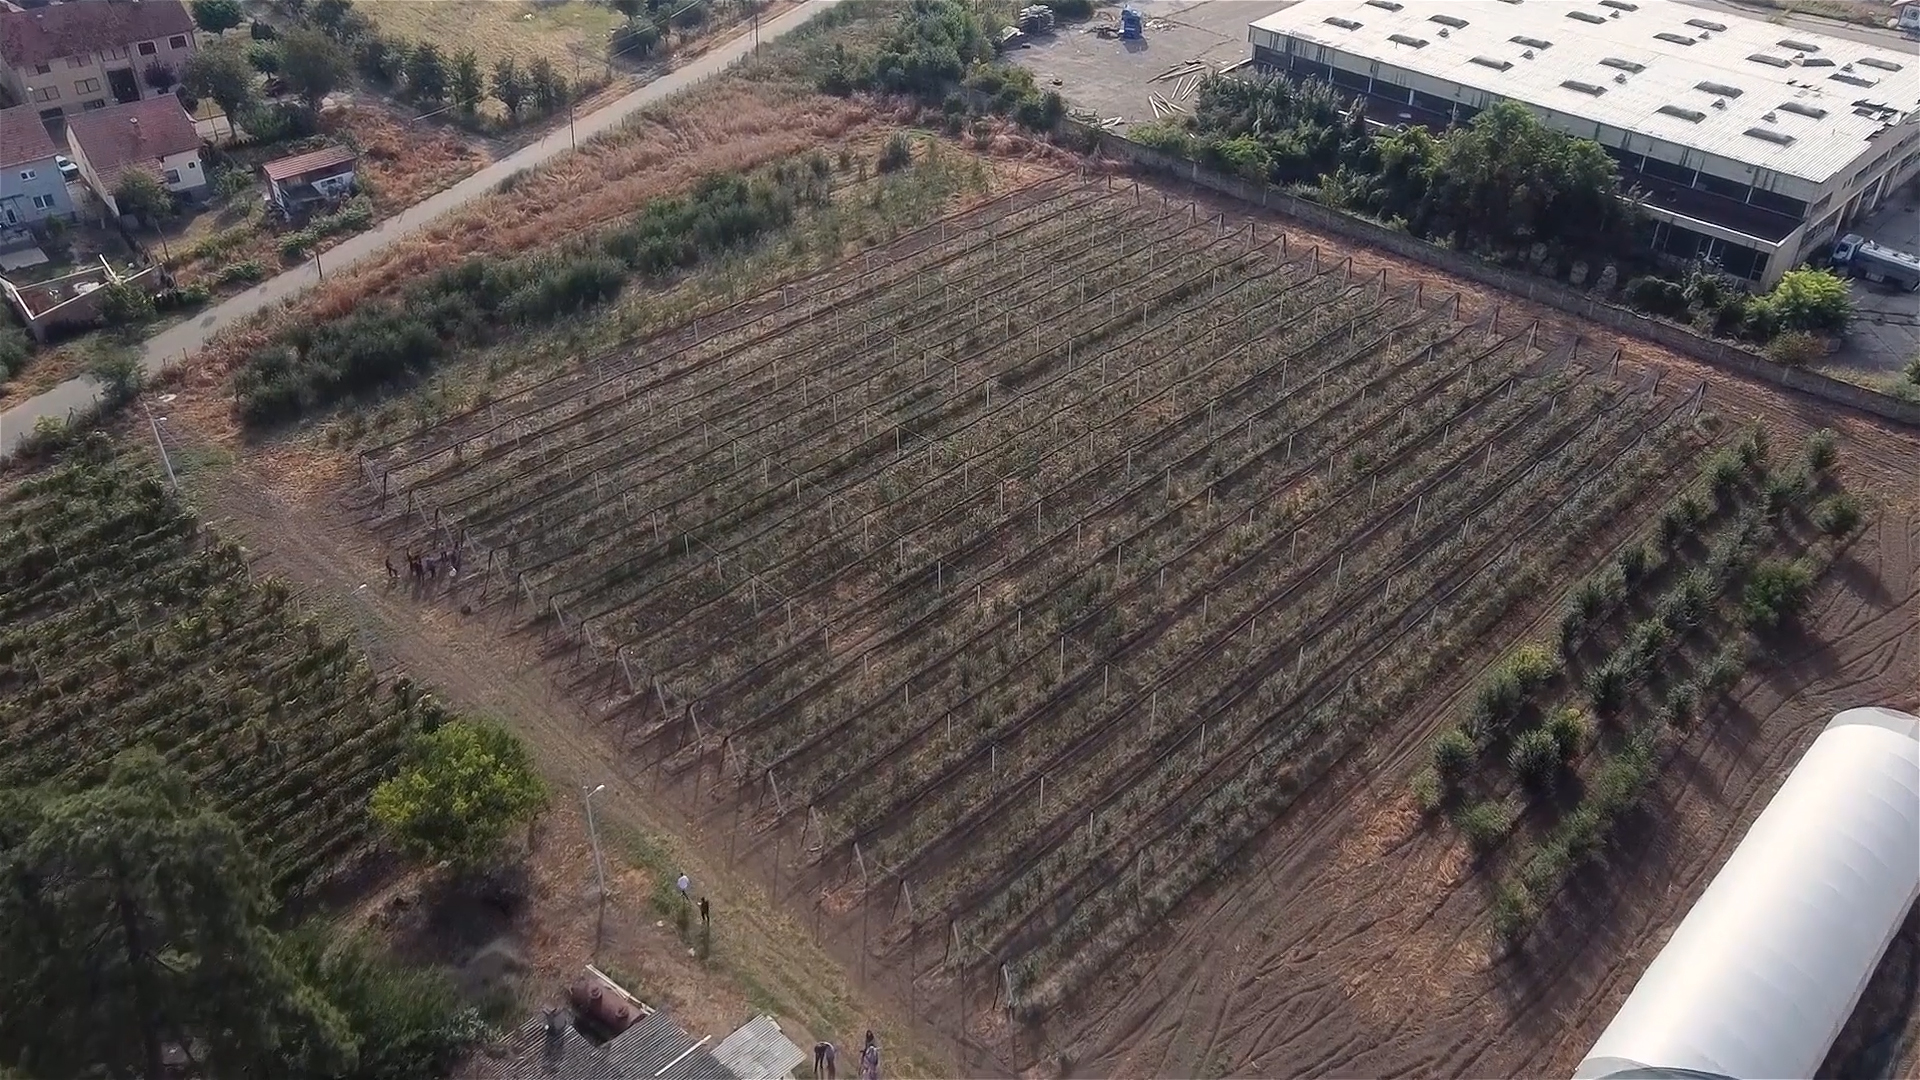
x=824, y=1067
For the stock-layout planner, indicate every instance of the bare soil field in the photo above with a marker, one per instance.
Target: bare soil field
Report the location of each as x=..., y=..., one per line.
x=1000, y=585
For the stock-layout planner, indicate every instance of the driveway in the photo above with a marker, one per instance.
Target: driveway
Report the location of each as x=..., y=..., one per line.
x=177, y=343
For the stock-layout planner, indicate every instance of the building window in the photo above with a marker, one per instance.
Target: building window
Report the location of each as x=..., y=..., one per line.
x=28, y=174
x=1623, y=65
x=1532, y=42
x=1673, y=39
x=43, y=202
x=148, y=48
x=1407, y=39
x=173, y=176
x=1448, y=20
x=87, y=86
x=78, y=62
x=177, y=41
x=1584, y=87
x=1707, y=24
x=118, y=52
x=1797, y=46
x=1876, y=62
x=96, y=103
x=42, y=69
x=1344, y=24
x=1770, y=61
x=1814, y=112
x=1691, y=116
x=1587, y=16
x=47, y=93
x=1492, y=62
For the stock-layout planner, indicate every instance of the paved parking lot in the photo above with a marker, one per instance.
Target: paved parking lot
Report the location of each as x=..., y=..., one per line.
x=1110, y=77
x=1886, y=328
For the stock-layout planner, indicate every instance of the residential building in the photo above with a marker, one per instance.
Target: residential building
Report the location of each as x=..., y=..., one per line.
x=156, y=135
x=31, y=187
x=1754, y=144
x=69, y=58
x=298, y=183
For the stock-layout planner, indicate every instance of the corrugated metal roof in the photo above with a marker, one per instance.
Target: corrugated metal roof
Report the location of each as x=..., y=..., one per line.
x=1621, y=64
x=287, y=168
x=759, y=1050
x=656, y=1048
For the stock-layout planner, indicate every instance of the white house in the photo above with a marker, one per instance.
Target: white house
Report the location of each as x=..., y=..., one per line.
x=156, y=135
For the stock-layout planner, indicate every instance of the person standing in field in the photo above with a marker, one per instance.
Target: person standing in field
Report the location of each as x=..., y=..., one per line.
x=820, y=1051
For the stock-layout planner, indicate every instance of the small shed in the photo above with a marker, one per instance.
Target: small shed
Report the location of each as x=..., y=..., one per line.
x=295, y=185
x=759, y=1050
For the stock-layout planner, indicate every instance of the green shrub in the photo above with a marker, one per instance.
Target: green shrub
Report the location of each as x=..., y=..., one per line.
x=1776, y=592
x=1453, y=754
x=1837, y=516
x=1536, y=759
x=1512, y=911
x=1633, y=563
x=1810, y=299
x=1501, y=692
x=247, y=271
x=1725, y=473
x=1570, y=730
x=1426, y=790
x=1723, y=672
x=1607, y=686
x=1484, y=823
x=15, y=347
x=1679, y=522
x=1621, y=781
x=1753, y=449
x=1783, y=490
x=1795, y=348
x=1684, y=605
x=896, y=153
x=1071, y=9
x=1645, y=642
x=1822, y=450
x=1683, y=698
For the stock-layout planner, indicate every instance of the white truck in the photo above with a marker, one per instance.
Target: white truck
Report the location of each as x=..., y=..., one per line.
x=1861, y=257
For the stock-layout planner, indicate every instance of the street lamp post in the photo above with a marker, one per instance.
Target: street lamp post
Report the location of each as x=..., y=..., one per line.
x=599, y=869
x=158, y=442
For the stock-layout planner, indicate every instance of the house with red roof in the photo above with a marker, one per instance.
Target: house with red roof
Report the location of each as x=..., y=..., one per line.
x=68, y=58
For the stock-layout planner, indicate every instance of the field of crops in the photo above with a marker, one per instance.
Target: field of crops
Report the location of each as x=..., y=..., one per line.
x=1029, y=566
x=126, y=624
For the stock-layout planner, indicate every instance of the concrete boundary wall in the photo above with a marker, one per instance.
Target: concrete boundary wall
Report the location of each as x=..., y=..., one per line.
x=1553, y=294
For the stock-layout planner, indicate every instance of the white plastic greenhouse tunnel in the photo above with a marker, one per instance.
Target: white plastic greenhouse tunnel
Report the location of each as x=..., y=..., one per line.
x=1766, y=968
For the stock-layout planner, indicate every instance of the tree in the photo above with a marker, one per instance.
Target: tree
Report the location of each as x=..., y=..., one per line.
x=381, y=58
x=125, y=305
x=140, y=193
x=313, y=64
x=629, y=8
x=636, y=39
x=221, y=72
x=547, y=87
x=217, y=16
x=1810, y=299
x=427, y=72
x=467, y=788
x=509, y=86
x=468, y=85
x=161, y=76
x=338, y=20
x=131, y=918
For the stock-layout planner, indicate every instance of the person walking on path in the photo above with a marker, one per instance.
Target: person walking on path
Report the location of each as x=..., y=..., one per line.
x=870, y=1059
x=823, y=1060
x=706, y=913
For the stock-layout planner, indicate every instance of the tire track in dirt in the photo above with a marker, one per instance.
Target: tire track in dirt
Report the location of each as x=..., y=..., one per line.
x=1393, y=941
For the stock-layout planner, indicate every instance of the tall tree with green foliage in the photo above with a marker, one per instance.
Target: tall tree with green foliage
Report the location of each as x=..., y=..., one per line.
x=547, y=87
x=427, y=73
x=1507, y=180
x=130, y=919
x=467, y=788
x=140, y=193
x=509, y=86
x=468, y=85
x=217, y=16
x=313, y=64
x=222, y=72
x=1810, y=299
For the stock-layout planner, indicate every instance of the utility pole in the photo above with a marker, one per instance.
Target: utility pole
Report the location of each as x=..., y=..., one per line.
x=571, y=92
x=599, y=870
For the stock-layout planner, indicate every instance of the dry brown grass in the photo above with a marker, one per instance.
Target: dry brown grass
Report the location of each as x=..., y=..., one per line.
x=401, y=163
x=522, y=29
x=726, y=126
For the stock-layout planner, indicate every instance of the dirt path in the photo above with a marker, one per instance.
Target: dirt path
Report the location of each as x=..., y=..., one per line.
x=770, y=959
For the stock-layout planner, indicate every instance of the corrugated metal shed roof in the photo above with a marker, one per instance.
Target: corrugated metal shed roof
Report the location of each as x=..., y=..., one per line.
x=654, y=1049
x=1655, y=67
x=287, y=168
x=759, y=1050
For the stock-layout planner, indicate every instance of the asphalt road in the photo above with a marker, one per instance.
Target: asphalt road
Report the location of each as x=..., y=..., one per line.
x=177, y=344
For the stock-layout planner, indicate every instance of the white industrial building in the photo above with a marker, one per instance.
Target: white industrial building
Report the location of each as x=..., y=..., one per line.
x=1754, y=144
x=1766, y=968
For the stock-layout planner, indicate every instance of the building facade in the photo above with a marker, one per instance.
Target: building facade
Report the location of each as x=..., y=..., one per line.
x=155, y=135
x=31, y=187
x=1751, y=145
x=73, y=57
